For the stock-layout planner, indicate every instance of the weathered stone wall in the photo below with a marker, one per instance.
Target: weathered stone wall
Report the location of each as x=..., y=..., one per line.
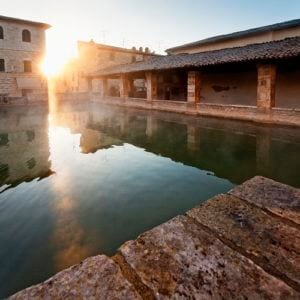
x=287, y=93
x=8, y=83
x=14, y=52
x=92, y=57
x=229, y=87
x=13, y=37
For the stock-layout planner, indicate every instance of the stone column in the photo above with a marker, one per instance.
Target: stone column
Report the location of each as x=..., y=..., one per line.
x=124, y=86
x=151, y=86
x=266, y=86
x=194, y=87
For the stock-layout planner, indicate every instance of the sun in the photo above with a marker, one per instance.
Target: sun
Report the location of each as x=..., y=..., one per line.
x=50, y=67
x=59, y=51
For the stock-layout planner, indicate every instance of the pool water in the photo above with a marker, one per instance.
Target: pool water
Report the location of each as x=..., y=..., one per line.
x=83, y=180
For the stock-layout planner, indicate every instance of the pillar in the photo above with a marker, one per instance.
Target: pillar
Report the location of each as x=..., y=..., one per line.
x=151, y=79
x=124, y=86
x=266, y=86
x=194, y=86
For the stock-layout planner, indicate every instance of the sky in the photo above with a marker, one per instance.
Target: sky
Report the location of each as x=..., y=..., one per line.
x=158, y=24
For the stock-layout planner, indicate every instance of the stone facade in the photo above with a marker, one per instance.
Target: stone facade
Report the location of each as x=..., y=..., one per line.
x=91, y=58
x=21, y=77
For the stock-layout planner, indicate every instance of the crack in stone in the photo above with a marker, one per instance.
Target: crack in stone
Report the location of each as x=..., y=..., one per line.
x=130, y=274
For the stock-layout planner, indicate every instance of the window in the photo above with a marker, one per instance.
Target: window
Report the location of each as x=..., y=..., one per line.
x=2, y=65
x=112, y=56
x=26, y=36
x=133, y=59
x=27, y=66
x=1, y=33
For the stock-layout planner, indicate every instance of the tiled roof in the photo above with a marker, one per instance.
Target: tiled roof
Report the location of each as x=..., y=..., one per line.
x=239, y=34
x=287, y=48
x=21, y=21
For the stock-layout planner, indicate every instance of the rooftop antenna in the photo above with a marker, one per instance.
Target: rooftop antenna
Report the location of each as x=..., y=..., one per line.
x=124, y=42
x=103, y=36
x=159, y=45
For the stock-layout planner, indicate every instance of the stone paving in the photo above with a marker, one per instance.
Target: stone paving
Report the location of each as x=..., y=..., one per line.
x=242, y=245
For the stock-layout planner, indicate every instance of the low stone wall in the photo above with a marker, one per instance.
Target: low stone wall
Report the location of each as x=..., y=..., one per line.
x=290, y=117
x=30, y=99
x=241, y=245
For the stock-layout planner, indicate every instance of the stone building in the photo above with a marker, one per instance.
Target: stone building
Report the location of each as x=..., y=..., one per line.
x=270, y=33
x=250, y=75
x=22, y=47
x=92, y=57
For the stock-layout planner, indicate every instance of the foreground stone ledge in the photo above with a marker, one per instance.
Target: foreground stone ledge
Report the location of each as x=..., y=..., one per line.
x=178, y=259
x=272, y=244
x=95, y=278
x=242, y=245
x=278, y=198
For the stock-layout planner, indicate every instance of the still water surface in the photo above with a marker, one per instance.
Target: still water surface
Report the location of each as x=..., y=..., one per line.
x=84, y=180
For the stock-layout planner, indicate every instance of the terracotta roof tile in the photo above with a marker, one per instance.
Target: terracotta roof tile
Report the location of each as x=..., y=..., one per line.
x=287, y=48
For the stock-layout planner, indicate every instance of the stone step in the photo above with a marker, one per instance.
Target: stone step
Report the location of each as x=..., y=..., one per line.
x=278, y=198
x=179, y=259
x=96, y=277
x=272, y=244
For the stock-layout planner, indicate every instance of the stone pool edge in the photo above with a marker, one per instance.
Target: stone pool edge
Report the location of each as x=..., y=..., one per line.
x=243, y=243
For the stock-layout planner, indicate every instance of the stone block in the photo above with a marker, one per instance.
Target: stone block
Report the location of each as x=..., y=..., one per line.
x=95, y=278
x=179, y=259
x=271, y=243
x=278, y=198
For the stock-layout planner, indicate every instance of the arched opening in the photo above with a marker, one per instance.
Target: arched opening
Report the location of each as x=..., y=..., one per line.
x=26, y=36
x=1, y=33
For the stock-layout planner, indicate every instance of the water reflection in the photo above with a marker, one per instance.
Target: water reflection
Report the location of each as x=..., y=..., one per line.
x=232, y=150
x=116, y=173
x=24, y=147
x=68, y=237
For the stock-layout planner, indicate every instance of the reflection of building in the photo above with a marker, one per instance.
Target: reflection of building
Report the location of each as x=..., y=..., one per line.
x=232, y=150
x=249, y=75
x=24, y=148
x=91, y=57
x=92, y=140
x=79, y=122
x=22, y=46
